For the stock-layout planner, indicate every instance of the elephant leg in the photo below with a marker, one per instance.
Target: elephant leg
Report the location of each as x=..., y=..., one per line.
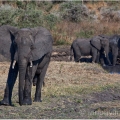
x=94, y=55
x=27, y=88
x=102, y=62
x=28, y=85
x=98, y=58
x=115, y=54
x=77, y=54
x=114, y=59
x=39, y=84
x=108, y=60
x=35, y=80
x=12, y=76
x=40, y=81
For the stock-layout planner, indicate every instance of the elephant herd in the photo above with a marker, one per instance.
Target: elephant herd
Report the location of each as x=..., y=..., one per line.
x=103, y=49
x=30, y=49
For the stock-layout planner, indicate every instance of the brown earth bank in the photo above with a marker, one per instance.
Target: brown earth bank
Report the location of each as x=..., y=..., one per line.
x=72, y=90
x=61, y=53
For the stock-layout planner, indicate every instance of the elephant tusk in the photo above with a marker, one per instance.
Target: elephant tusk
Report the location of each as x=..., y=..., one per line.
x=13, y=65
x=31, y=64
x=105, y=53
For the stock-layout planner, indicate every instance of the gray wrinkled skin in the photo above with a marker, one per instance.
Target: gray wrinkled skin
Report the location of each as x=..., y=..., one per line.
x=32, y=52
x=114, y=46
x=94, y=47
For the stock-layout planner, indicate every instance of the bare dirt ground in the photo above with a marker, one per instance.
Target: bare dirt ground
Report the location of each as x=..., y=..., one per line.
x=72, y=90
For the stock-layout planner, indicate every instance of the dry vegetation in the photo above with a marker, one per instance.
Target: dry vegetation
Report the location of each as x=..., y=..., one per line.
x=66, y=32
x=72, y=90
x=49, y=15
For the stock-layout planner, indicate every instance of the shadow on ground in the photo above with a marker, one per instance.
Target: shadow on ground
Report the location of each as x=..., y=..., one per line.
x=112, y=69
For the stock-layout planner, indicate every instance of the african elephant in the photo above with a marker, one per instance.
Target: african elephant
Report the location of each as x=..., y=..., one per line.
x=100, y=46
x=114, y=46
x=33, y=48
x=94, y=47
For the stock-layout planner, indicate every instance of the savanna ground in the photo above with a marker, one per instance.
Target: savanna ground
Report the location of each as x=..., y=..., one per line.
x=72, y=90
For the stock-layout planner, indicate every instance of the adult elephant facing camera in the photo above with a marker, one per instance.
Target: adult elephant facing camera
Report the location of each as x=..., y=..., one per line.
x=33, y=52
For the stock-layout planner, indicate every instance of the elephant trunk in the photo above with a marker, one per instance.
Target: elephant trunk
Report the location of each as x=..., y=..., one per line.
x=22, y=71
x=106, y=52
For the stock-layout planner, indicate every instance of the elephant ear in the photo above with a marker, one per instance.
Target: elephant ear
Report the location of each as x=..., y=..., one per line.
x=95, y=42
x=6, y=42
x=42, y=43
x=119, y=41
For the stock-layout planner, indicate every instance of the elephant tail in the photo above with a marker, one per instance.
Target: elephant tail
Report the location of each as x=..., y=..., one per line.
x=71, y=53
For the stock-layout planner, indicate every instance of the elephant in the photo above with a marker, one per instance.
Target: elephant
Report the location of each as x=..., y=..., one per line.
x=96, y=47
x=33, y=48
x=100, y=45
x=114, y=46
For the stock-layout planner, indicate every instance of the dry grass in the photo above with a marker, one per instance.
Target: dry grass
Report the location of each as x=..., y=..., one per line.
x=73, y=78
x=68, y=31
x=68, y=84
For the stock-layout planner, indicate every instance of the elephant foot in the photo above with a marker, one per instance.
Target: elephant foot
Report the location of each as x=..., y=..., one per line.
x=27, y=102
x=110, y=64
x=5, y=102
x=104, y=65
x=34, y=83
x=37, y=100
x=113, y=65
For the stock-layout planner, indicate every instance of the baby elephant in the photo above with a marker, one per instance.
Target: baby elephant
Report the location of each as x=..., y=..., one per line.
x=95, y=47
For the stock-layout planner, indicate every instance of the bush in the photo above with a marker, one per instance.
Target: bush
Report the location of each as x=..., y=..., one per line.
x=51, y=20
x=27, y=18
x=45, y=5
x=85, y=34
x=74, y=11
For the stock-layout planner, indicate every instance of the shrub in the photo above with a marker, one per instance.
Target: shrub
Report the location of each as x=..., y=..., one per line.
x=60, y=42
x=73, y=11
x=45, y=5
x=27, y=18
x=51, y=20
x=85, y=34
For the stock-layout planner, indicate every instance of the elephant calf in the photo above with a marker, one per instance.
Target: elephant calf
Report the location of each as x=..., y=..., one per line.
x=94, y=47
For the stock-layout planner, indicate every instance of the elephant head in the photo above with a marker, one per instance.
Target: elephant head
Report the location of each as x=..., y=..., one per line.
x=31, y=45
x=101, y=43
